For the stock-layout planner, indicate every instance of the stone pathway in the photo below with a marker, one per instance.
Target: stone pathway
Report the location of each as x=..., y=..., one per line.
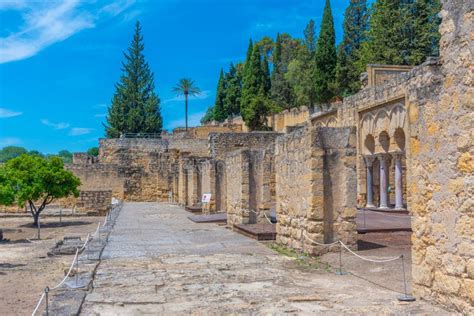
x=159, y=262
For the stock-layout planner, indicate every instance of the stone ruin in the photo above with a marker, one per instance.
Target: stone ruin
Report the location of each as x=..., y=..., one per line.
x=404, y=142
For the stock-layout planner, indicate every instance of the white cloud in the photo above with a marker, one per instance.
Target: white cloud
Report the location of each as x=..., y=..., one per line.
x=60, y=125
x=193, y=120
x=5, y=113
x=77, y=131
x=49, y=22
x=9, y=141
x=202, y=96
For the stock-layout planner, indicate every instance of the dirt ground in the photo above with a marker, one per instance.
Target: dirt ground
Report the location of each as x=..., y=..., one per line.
x=25, y=267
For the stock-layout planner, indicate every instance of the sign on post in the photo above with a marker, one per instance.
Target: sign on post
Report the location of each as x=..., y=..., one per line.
x=206, y=198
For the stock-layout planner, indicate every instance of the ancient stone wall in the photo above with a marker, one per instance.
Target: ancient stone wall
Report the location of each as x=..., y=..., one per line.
x=237, y=187
x=99, y=176
x=315, y=187
x=208, y=184
x=96, y=201
x=222, y=143
x=441, y=164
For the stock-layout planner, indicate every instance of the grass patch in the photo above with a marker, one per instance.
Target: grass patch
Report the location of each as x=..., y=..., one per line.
x=303, y=260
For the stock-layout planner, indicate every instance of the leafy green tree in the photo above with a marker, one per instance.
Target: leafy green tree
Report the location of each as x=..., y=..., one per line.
x=93, y=151
x=65, y=155
x=220, y=113
x=280, y=91
x=187, y=88
x=355, y=28
x=10, y=152
x=35, y=153
x=135, y=106
x=266, y=46
x=37, y=182
x=325, y=57
x=248, y=56
x=233, y=92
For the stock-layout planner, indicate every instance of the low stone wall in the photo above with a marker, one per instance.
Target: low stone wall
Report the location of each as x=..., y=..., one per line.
x=97, y=201
x=208, y=184
x=222, y=143
x=315, y=187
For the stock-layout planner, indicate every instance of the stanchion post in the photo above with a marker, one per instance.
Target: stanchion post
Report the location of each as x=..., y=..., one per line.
x=46, y=291
x=77, y=269
x=340, y=272
x=405, y=297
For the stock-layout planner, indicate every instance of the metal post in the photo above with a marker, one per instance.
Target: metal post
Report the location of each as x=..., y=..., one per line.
x=405, y=297
x=340, y=272
x=46, y=291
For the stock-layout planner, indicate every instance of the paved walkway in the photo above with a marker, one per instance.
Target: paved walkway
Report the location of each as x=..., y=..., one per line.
x=159, y=262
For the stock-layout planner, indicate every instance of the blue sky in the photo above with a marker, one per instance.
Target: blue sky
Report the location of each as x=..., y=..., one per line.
x=59, y=60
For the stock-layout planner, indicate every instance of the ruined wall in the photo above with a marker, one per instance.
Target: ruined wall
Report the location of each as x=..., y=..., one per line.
x=222, y=143
x=99, y=176
x=208, y=184
x=96, y=200
x=315, y=187
x=237, y=187
x=441, y=168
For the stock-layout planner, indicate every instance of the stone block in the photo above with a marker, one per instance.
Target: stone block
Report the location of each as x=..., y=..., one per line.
x=422, y=274
x=446, y=284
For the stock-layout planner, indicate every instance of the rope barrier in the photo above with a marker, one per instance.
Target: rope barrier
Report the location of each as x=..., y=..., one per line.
x=75, y=260
x=68, y=273
x=38, y=305
x=318, y=243
x=265, y=214
x=378, y=260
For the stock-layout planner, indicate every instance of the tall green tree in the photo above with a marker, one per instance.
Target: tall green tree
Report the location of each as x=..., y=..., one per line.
x=255, y=105
x=310, y=37
x=280, y=91
x=135, y=106
x=266, y=76
x=187, y=88
x=325, y=57
x=355, y=27
x=220, y=113
x=10, y=152
x=233, y=92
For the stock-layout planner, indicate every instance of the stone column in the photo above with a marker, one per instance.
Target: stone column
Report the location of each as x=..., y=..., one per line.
x=398, y=182
x=370, y=197
x=383, y=182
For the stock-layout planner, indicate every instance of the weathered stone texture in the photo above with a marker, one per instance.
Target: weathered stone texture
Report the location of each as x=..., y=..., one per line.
x=237, y=186
x=98, y=201
x=315, y=187
x=441, y=168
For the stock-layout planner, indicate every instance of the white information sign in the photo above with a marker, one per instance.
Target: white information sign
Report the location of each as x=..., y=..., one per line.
x=206, y=198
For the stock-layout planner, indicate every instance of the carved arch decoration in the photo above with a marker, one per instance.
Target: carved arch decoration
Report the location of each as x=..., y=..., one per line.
x=389, y=119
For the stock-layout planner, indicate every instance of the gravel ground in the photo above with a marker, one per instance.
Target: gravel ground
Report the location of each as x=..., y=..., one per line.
x=25, y=268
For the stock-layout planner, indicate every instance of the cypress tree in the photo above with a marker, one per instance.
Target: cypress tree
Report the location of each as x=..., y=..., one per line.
x=280, y=90
x=355, y=28
x=254, y=106
x=220, y=113
x=325, y=57
x=310, y=37
x=248, y=56
x=135, y=106
x=233, y=90
x=266, y=76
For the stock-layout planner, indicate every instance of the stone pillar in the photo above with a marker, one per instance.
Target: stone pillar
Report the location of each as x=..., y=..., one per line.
x=383, y=181
x=398, y=182
x=370, y=197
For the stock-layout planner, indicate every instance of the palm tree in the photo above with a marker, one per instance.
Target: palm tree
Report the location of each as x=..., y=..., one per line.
x=187, y=88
